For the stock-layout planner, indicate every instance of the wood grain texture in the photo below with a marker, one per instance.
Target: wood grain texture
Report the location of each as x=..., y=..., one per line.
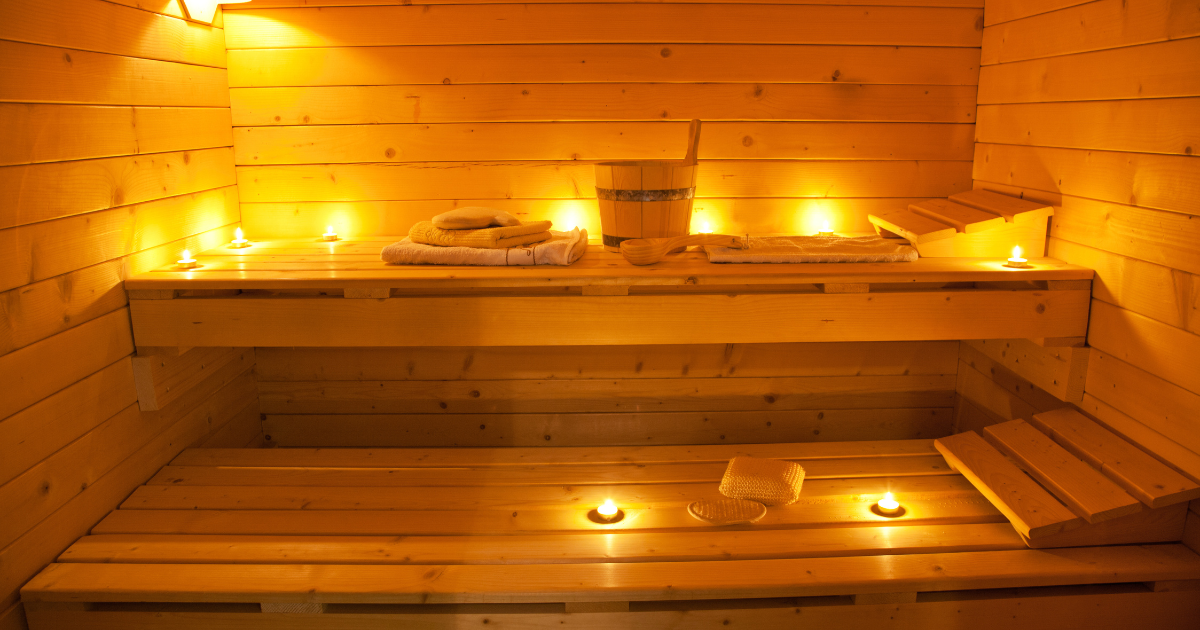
x=1145, y=343
x=1178, y=457
x=601, y=23
x=614, y=101
x=1059, y=371
x=1105, y=125
x=1146, y=397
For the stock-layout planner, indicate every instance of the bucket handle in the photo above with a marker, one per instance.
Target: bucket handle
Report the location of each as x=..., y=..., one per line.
x=693, y=143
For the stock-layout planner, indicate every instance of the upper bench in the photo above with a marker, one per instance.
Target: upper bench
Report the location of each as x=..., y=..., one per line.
x=290, y=293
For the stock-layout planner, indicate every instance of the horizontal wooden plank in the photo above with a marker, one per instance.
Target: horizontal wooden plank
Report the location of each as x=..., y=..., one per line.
x=1087, y=492
x=602, y=24
x=1144, y=477
x=275, y=4
x=32, y=435
x=1104, y=125
x=540, y=549
x=105, y=27
x=607, y=320
x=1158, y=70
x=599, y=63
x=762, y=360
x=1165, y=182
x=611, y=101
x=385, y=218
x=40, y=192
x=1059, y=371
x=1152, y=346
x=517, y=475
x=605, y=395
x=570, y=180
x=1031, y=510
x=1031, y=396
x=243, y=427
x=1164, y=407
x=52, y=133
x=627, y=582
x=1180, y=458
x=1042, y=611
x=454, y=457
x=1090, y=26
x=38, y=370
x=519, y=498
x=694, y=427
x=39, y=251
x=161, y=380
x=598, y=141
x=1158, y=292
x=43, y=74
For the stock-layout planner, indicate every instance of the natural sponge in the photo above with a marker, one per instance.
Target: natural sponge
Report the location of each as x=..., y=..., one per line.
x=768, y=481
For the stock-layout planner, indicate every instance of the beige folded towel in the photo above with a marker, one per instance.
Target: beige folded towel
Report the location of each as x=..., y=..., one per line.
x=814, y=249
x=563, y=248
x=486, y=238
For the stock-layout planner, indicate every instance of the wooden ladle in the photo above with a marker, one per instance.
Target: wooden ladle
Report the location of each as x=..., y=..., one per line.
x=647, y=251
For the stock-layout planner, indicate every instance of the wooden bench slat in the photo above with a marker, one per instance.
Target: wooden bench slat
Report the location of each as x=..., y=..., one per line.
x=1086, y=491
x=1030, y=508
x=964, y=219
x=540, y=548
x=562, y=455
x=425, y=584
x=1146, y=478
x=171, y=497
x=533, y=475
x=912, y=226
x=1013, y=209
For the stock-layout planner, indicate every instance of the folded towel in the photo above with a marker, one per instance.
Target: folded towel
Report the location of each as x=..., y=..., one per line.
x=807, y=249
x=487, y=238
x=563, y=248
x=473, y=217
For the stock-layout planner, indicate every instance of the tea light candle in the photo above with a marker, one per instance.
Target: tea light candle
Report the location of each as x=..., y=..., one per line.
x=329, y=234
x=888, y=506
x=1016, y=262
x=608, y=512
x=825, y=229
x=186, y=261
x=239, y=241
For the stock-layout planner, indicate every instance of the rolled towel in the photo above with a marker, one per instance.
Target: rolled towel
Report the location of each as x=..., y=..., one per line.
x=563, y=248
x=486, y=238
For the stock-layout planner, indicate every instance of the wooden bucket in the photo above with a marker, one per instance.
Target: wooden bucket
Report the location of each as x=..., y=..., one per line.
x=647, y=199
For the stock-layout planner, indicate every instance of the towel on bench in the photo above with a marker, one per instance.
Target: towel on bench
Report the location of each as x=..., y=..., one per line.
x=814, y=249
x=563, y=248
x=486, y=238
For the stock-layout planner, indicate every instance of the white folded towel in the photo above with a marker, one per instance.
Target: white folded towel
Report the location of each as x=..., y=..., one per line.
x=814, y=249
x=563, y=248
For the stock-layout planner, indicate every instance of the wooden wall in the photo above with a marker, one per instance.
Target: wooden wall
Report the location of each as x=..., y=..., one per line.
x=116, y=155
x=1095, y=107
x=371, y=115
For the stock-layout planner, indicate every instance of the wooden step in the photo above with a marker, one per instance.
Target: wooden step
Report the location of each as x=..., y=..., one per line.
x=1146, y=478
x=1013, y=209
x=964, y=219
x=1087, y=492
x=912, y=226
x=1031, y=510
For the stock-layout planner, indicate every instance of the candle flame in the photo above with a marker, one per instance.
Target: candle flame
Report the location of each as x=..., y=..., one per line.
x=186, y=255
x=705, y=227
x=888, y=502
x=607, y=509
x=1016, y=251
x=237, y=234
x=329, y=229
x=825, y=226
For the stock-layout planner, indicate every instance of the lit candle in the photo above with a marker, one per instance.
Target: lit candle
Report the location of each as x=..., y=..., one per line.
x=239, y=241
x=888, y=506
x=607, y=513
x=1016, y=262
x=825, y=229
x=705, y=227
x=329, y=234
x=186, y=261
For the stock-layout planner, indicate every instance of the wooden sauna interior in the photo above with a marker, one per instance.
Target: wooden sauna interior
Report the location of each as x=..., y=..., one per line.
x=130, y=131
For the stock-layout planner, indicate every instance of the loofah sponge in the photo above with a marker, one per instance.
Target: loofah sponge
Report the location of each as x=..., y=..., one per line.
x=768, y=481
x=727, y=511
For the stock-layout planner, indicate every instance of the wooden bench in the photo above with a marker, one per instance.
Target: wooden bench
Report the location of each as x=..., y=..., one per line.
x=375, y=538
x=288, y=293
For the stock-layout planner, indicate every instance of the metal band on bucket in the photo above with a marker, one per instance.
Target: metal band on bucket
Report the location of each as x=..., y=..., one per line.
x=673, y=194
